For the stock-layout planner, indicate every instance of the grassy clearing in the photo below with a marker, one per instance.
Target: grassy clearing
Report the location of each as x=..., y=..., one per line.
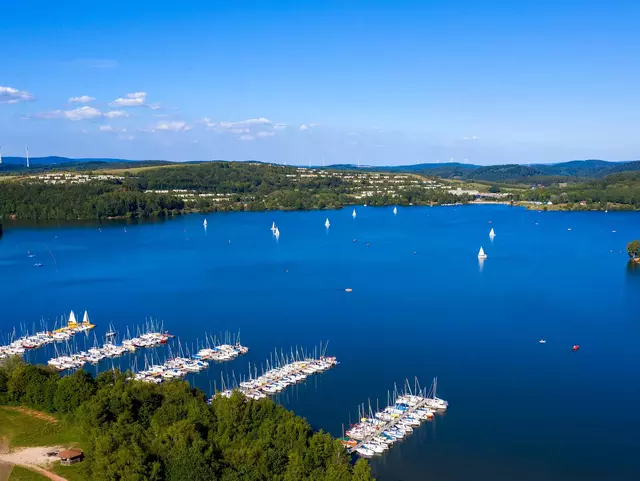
x=19, y=473
x=23, y=429
x=74, y=472
x=134, y=170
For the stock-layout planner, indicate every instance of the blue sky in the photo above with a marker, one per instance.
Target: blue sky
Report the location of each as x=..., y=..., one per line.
x=389, y=82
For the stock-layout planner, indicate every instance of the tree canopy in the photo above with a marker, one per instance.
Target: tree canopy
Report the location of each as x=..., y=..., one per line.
x=138, y=431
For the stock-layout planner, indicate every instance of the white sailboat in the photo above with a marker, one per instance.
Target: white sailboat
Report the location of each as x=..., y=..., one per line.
x=273, y=227
x=327, y=224
x=72, y=318
x=395, y=210
x=353, y=214
x=205, y=223
x=276, y=232
x=481, y=254
x=85, y=319
x=492, y=233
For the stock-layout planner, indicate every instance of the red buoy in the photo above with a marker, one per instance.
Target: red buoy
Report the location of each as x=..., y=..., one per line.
x=575, y=348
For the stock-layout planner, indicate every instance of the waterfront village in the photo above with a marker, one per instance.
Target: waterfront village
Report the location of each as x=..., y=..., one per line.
x=361, y=184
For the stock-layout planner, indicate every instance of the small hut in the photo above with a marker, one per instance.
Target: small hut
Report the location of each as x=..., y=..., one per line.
x=70, y=456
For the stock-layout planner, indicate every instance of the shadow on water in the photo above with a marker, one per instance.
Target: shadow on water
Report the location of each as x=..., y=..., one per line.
x=633, y=273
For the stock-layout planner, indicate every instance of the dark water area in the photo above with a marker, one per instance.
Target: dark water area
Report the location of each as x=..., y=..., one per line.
x=421, y=305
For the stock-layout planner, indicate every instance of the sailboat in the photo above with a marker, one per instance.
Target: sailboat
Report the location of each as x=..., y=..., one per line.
x=327, y=223
x=481, y=254
x=205, y=223
x=273, y=227
x=395, y=210
x=276, y=232
x=492, y=233
x=353, y=214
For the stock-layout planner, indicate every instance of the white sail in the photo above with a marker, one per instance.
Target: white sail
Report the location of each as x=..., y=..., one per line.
x=395, y=210
x=85, y=319
x=481, y=254
x=492, y=233
x=354, y=214
x=72, y=318
x=327, y=223
x=276, y=232
x=205, y=223
x=273, y=227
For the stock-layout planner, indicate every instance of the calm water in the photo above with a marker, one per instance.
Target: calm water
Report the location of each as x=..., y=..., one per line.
x=519, y=410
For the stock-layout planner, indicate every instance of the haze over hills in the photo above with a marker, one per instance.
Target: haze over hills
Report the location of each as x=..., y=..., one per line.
x=575, y=169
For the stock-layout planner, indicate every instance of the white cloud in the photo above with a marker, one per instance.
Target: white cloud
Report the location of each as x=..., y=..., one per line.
x=473, y=137
x=9, y=95
x=244, y=124
x=155, y=106
x=106, y=128
x=207, y=122
x=170, y=127
x=279, y=126
x=135, y=99
x=81, y=113
x=304, y=127
x=116, y=114
x=266, y=134
x=246, y=137
x=83, y=99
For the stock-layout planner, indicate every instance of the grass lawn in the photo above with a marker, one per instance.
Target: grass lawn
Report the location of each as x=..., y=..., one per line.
x=23, y=429
x=72, y=473
x=23, y=474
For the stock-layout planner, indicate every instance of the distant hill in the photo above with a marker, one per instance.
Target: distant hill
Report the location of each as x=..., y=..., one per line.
x=533, y=173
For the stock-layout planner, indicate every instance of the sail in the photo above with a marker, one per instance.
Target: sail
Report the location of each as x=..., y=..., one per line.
x=273, y=227
x=205, y=223
x=327, y=223
x=395, y=210
x=354, y=213
x=481, y=253
x=85, y=320
x=277, y=232
x=492, y=233
x=72, y=319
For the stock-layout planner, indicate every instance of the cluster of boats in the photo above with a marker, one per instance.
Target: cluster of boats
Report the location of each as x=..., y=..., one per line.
x=179, y=366
x=278, y=378
x=375, y=433
x=18, y=346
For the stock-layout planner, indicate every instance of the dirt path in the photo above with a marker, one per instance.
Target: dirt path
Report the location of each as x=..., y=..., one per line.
x=33, y=459
x=32, y=412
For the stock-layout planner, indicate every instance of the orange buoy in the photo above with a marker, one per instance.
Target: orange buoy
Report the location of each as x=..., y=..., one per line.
x=575, y=348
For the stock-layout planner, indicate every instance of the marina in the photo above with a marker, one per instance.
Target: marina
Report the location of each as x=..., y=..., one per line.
x=376, y=432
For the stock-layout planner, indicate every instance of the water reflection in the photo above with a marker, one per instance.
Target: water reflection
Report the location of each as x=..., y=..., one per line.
x=481, y=263
x=633, y=272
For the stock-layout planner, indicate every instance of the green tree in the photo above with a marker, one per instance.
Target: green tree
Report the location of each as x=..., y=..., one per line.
x=362, y=471
x=73, y=390
x=633, y=249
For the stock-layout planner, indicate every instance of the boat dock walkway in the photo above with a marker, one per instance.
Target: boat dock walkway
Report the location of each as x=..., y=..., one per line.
x=424, y=403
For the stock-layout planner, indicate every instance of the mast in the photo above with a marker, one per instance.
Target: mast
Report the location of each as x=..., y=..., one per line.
x=27, y=152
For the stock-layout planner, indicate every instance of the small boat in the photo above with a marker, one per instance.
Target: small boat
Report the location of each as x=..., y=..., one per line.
x=353, y=214
x=30, y=255
x=492, y=233
x=327, y=224
x=542, y=341
x=575, y=348
x=273, y=227
x=276, y=232
x=395, y=210
x=348, y=289
x=205, y=223
x=38, y=264
x=481, y=254
x=569, y=228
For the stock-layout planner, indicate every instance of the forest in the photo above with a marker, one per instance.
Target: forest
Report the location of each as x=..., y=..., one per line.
x=134, y=431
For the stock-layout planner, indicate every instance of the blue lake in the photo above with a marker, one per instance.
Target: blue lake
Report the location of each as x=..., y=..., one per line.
x=421, y=306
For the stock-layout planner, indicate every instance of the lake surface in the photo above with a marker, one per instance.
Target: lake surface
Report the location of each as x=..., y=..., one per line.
x=421, y=306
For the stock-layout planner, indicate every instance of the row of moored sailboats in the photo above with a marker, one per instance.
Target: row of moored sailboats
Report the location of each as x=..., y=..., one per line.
x=376, y=432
